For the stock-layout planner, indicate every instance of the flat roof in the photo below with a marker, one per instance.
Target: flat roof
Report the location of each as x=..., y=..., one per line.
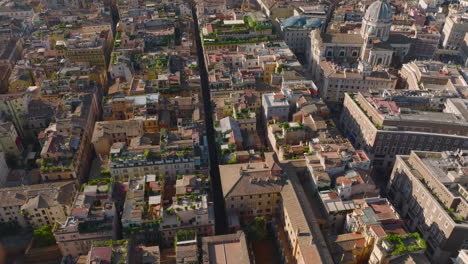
x=225, y=252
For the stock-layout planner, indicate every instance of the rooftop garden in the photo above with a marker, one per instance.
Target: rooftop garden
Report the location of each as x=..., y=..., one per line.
x=234, y=41
x=166, y=154
x=117, y=39
x=456, y=217
x=377, y=125
x=65, y=164
x=104, y=184
x=110, y=243
x=119, y=256
x=289, y=154
x=226, y=151
x=402, y=244
x=291, y=126
x=184, y=235
x=243, y=114
x=256, y=25
x=94, y=226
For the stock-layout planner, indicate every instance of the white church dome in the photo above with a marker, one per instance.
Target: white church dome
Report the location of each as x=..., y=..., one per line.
x=379, y=11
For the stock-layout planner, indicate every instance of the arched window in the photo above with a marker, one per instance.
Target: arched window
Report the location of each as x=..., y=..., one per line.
x=342, y=53
x=379, y=61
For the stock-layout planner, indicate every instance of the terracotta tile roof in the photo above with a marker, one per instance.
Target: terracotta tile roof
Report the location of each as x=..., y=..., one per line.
x=310, y=240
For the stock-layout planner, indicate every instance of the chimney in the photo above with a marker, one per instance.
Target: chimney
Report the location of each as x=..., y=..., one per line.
x=296, y=243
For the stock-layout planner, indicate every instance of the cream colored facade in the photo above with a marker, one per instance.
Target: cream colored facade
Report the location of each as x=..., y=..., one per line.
x=304, y=243
x=107, y=133
x=37, y=205
x=9, y=140
x=366, y=128
x=250, y=206
x=335, y=82
x=15, y=108
x=455, y=28
x=252, y=189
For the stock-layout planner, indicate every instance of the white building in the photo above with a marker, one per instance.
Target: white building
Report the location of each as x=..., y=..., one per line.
x=295, y=31
x=455, y=28
x=275, y=106
x=462, y=257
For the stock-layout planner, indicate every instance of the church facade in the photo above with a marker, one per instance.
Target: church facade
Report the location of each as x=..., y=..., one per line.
x=374, y=44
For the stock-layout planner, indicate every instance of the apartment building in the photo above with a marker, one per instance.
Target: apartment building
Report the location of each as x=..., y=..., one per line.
x=331, y=163
x=226, y=249
x=425, y=42
x=430, y=76
x=73, y=78
x=9, y=139
x=211, y=7
x=142, y=207
x=106, y=133
x=40, y=115
x=11, y=53
x=135, y=161
x=37, y=205
x=246, y=118
x=18, y=11
x=127, y=107
x=334, y=81
x=14, y=107
x=429, y=191
x=93, y=217
x=66, y=143
x=455, y=28
x=297, y=228
x=192, y=212
x=112, y=252
x=231, y=133
x=287, y=139
x=252, y=189
x=275, y=107
x=383, y=129
x=91, y=47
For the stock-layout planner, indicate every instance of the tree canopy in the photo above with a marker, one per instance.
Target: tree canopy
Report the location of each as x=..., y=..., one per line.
x=256, y=230
x=43, y=236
